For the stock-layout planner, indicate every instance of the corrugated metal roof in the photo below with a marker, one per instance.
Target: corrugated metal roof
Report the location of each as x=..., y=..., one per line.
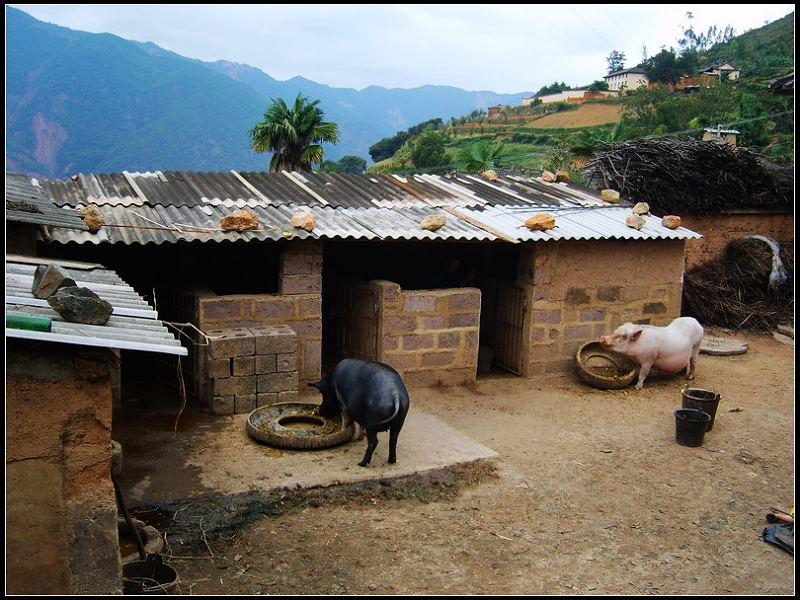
x=133, y=325
x=187, y=206
x=576, y=223
x=25, y=203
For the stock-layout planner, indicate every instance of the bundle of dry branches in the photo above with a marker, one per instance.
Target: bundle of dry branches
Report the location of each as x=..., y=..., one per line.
x=733, y=290
x=680, y=176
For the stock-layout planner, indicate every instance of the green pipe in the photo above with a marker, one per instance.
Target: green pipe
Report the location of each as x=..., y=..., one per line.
x=28, y=322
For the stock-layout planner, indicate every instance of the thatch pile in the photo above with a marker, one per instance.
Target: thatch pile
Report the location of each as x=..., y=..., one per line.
x=733, y=290
x=680, y=176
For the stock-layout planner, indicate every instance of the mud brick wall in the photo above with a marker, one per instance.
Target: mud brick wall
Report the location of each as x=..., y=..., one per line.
x=580, y=290
x=719, y=229
x=61, y=515
x=429, y=336
x=299, y=305
x=251, y=367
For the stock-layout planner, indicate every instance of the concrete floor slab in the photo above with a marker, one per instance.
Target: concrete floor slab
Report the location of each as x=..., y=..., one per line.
x=214, y=455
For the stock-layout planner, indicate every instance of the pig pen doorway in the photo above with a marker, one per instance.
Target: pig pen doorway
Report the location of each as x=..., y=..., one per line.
x=504, y=306
x=350, y=305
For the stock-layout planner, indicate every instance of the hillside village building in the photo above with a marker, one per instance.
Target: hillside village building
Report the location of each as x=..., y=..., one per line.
x=626, y=79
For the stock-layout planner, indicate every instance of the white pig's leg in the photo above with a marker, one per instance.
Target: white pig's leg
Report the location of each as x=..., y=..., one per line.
x=693, y=361
x=644, y=371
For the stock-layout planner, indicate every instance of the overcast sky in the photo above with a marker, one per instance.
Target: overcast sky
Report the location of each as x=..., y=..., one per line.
x=503, y=48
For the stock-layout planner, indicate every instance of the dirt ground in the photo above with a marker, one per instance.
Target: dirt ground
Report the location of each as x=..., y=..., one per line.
x=591, y=495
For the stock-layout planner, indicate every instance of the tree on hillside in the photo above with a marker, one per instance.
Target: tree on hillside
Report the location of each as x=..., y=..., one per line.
x=352, y=164
x=480, y=156
x=428, y=150
x=668, y=67
x=294, y=133
x=553, y=88
x=598, y=86
x=616, y=61
x=329, y=166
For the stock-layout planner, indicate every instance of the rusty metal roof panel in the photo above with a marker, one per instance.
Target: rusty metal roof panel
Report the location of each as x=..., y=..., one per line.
x=576, y=223
x=133, y=325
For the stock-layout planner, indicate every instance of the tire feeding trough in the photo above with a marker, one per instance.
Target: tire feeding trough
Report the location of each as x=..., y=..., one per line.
x=296, y=425
x=605, y=369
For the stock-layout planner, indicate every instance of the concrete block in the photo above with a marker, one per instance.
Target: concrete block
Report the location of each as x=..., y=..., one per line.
x=309, y=307
x=593, y=314
x=578, y=332
x=229, y=343
x=608, y=293
x=419, y=304
x=286, y=362
x=274, y=339
x=434, y=322
x=278, y=382
x=310, y=364
x=235, y=386
x=391, y=342
x=465, y=300
x=547, y=316
x=244, y=365
x=438, y=359
x=401, y=361
x=655, y=308
x=399, y=324
x=301, y=284
x=244, y=404
x=577, y=296
x=219, y=368
x=221, y=310
x=464, y=320
x=417, y=341
x=265, y=363
x=450, y=339
x=272, y=307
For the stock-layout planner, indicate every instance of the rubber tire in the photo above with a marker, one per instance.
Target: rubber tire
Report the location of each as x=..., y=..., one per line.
x=597, y=381
x=296, y=443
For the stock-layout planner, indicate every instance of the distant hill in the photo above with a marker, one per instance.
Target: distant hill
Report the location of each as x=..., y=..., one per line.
x=78, y=101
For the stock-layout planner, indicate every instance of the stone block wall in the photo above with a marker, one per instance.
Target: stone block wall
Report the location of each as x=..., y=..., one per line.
x=61, y=515
x=581, y=290
x=298, y=305
x=429, y=336
x=251, y=367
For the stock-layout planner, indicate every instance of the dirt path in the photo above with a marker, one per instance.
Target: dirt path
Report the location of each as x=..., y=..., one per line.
x=593, y=496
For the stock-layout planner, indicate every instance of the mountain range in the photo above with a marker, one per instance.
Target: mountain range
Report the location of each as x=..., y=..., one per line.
x=89, y=102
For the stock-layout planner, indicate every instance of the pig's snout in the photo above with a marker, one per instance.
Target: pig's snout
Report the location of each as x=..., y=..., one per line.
x=603, y=341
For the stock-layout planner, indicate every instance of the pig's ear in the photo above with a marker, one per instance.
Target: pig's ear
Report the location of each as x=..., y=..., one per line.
x=635, y=334
x=316, y=384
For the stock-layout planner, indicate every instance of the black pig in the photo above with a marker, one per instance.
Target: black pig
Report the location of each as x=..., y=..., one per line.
x=371, y=394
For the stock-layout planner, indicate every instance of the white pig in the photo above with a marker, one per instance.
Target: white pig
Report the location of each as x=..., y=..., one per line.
x=669, y=349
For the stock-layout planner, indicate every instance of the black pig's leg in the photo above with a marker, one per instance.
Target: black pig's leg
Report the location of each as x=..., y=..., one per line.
x=393, y=433
x=372, y=441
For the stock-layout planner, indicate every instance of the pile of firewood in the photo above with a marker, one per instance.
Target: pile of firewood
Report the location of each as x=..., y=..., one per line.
x=681, y=176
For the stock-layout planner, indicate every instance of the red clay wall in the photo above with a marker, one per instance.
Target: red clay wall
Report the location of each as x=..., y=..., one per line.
x=580, y=290
x=719, y=229
x=61, y=519
x=429, y=336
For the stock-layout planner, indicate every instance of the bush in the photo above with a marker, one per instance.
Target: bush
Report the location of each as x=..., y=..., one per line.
x=428, y=150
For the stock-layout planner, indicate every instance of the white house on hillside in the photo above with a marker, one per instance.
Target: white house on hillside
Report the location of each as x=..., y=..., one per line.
x=626, y=79
x=723, y=69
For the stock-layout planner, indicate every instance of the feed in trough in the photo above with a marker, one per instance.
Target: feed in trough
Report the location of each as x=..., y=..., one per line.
x=604, y=369
x=296, y=425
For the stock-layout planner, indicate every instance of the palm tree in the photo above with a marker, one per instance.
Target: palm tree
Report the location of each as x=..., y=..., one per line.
x=294, y=134
x=480, y=156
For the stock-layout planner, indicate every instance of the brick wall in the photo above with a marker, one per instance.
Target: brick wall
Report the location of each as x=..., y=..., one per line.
x=719, y=229
x=298, y=305
x=429, y=336
x=580, y=290
x=249, y=368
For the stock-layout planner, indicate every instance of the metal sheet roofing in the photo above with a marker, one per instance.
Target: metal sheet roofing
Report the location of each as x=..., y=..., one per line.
x=133, y=325
x=576, y=223
x=25, y=203
x=143, y=208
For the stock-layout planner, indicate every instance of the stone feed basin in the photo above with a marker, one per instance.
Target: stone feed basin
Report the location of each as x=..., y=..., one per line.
x=296, y=425
x=605, y=369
